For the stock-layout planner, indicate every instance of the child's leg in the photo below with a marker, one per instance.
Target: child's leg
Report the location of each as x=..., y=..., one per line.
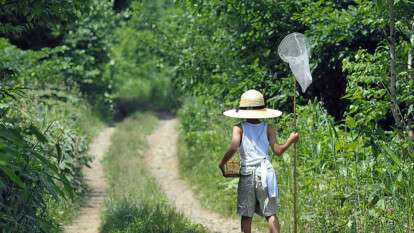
x=273, y=224
x=246, y=224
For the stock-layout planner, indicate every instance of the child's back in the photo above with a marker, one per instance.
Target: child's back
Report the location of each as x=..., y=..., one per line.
x=254, y=144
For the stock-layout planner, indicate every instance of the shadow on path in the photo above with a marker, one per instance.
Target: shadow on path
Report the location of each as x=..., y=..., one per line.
x=125, y=107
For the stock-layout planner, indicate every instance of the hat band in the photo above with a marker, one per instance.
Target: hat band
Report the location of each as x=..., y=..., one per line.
x=251, y=108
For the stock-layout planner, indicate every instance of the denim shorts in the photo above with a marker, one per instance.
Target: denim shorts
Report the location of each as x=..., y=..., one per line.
x=251, y=196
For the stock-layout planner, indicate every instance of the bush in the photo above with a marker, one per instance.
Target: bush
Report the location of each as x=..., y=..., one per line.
x=46, y=127
x=44, y=149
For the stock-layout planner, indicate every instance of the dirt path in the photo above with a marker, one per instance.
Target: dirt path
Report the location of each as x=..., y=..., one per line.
x=162, y=161
x=88, y=219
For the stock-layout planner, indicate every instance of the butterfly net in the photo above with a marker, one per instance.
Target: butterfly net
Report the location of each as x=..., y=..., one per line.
x=295, y=50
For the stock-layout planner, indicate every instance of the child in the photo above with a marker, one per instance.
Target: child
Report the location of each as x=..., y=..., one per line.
x=257, y=190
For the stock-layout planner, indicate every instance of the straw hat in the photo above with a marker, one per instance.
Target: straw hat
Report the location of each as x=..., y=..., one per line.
x=252, y=106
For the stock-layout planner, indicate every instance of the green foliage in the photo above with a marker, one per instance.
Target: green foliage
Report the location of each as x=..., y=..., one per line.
x=368, y=89
x=88, y=47
x=43, y=151
x=149, y=218
x=135, y=203
x=46, y=125
x=346, y=177
x=37, y=24
x=231, y=47
x=139, y=66
x=349, y=41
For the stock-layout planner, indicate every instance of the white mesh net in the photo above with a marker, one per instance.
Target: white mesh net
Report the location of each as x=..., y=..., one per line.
x=295, y=50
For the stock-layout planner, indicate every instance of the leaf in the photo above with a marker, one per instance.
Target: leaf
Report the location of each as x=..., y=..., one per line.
x=11, y=135
x=33, y=130
x=350, y=122
x=59, y=152
x=381, y=204
x=45, y=162
x=12, y=176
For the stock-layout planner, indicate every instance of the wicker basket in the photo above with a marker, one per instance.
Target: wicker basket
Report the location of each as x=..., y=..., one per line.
x=232, y=167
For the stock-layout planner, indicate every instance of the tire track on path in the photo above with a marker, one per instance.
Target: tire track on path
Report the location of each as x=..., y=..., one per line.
x=89, y=218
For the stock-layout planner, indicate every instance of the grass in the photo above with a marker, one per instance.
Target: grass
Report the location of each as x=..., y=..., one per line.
x=135, y=202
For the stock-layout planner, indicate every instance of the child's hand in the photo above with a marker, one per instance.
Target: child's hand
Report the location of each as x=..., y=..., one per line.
x=294, y=137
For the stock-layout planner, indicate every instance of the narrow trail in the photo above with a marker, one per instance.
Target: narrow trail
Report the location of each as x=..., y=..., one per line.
x=162, y=161
x=88, y=219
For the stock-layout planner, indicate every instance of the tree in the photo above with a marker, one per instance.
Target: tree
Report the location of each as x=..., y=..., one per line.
x=393, y=77
x=41, y=23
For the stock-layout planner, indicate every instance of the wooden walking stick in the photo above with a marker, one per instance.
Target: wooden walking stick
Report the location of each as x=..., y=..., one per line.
x=295, y=183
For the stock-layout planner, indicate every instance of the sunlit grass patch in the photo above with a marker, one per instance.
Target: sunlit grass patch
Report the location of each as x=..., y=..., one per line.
x=147, y=217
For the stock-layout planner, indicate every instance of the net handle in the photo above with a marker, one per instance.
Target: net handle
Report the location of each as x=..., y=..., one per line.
x=295, y=173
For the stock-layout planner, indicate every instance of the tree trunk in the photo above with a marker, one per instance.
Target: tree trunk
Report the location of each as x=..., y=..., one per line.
x=411, y=52
x=393, y=77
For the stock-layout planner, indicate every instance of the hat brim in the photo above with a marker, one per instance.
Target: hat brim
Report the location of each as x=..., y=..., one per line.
x=253, y=114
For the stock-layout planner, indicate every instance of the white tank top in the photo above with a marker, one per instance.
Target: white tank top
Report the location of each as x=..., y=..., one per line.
x=254, y=145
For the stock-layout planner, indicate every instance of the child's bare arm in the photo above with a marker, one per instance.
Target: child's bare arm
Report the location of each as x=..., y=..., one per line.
x=232, y=149
x=278, y=149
